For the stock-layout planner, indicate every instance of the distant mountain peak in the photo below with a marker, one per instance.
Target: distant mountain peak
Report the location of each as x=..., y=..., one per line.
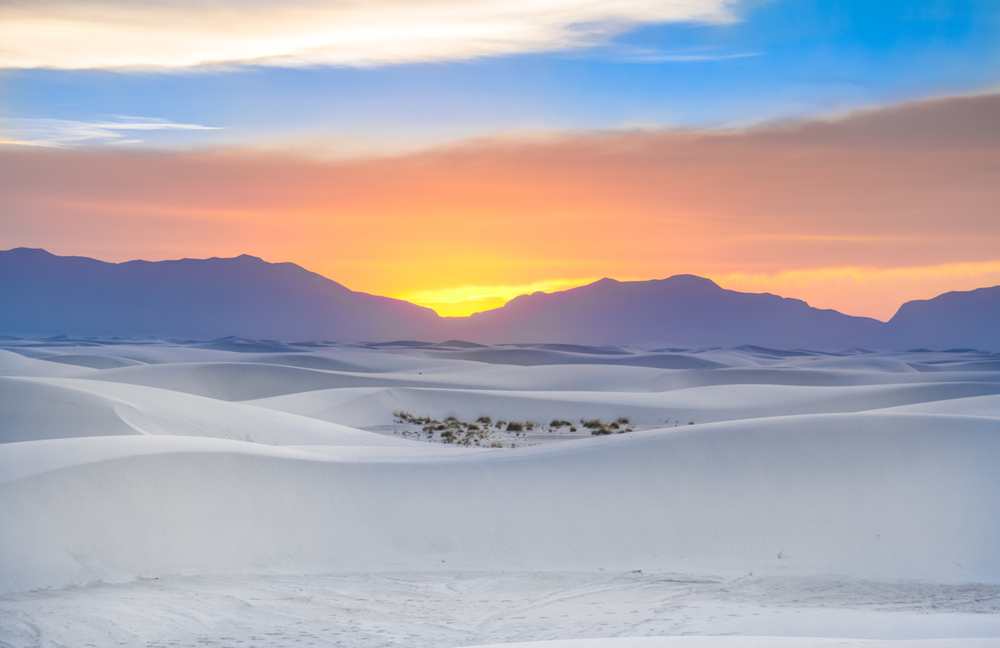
x=28, y=251
x=42, y=294
x=693, y=281
x=244, y=296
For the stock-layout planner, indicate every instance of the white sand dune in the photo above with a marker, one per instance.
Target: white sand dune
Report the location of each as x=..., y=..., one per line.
x=234, y=381
x=91, y=361
x=52, y=408
x=861, y=468
x=747, y=642
x=970, y=406
x=15, y=364
x=33, y=410
x=865, y=495
x=374, y=406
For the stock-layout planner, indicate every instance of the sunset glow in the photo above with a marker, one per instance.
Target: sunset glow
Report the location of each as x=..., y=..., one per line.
x=870, y=292
x=804, y=211
x=465, y=300
x=458, y=154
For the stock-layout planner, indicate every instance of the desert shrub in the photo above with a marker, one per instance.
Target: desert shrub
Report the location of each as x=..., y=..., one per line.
x=454, y=430
x=402, y=416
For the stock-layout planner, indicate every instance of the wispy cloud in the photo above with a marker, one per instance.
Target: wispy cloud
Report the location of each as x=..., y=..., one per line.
x=65, y=133
x=653, y=55
x=183, y=33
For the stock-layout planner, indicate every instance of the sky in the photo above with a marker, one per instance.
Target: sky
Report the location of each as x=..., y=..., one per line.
x=457, y=153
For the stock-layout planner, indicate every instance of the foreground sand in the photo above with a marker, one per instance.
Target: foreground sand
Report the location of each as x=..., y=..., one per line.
x=240, y=493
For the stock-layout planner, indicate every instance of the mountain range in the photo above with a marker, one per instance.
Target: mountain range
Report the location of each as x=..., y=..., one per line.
x=42, y=294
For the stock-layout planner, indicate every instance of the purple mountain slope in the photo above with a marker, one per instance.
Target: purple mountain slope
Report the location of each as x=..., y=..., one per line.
x=954, y=320
x=681, y=311
x=44, y=294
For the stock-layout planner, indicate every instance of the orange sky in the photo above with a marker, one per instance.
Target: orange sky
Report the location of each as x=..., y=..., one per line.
x=858, y=215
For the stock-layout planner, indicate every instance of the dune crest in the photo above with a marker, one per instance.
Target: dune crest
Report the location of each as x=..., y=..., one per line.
x=557, y=470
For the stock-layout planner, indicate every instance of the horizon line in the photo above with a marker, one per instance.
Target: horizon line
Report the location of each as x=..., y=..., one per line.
x=566, y=285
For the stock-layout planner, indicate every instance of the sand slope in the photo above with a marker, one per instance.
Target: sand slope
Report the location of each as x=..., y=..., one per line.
x=52, y=408
x=235, y=458
x=868, y=495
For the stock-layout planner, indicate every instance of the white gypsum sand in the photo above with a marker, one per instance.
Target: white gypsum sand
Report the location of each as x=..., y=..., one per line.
x=269, y=494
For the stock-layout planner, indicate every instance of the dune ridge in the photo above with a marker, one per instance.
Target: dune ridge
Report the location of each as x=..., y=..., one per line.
x=246, y=460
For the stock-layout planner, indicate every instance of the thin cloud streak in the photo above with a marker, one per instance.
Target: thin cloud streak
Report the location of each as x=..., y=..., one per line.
x=657, y=56
x=65, y=133
x=179, y=34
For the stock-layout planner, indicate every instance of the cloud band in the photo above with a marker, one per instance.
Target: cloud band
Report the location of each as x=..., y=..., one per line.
x=89, y=34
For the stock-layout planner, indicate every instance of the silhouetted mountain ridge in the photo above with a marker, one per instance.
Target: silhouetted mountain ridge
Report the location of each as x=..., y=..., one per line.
x=42, y=294
x=958, y=319
x=682, y=311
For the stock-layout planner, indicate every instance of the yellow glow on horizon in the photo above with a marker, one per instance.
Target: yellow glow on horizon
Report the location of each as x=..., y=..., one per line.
x=854, y=290
x=861, y=291
x=462, y=301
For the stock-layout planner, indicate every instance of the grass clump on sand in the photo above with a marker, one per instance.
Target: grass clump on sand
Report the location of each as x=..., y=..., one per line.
x=452, y=429
x=618, y=426
x=402, y=416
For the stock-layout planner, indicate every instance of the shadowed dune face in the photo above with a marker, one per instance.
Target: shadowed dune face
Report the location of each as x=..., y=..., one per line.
x=861, y=465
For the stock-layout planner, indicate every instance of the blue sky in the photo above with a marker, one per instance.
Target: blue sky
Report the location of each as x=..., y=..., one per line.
x=776, y=60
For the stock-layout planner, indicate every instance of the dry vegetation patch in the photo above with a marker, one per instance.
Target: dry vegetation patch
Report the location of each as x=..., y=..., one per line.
x=484, y=430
